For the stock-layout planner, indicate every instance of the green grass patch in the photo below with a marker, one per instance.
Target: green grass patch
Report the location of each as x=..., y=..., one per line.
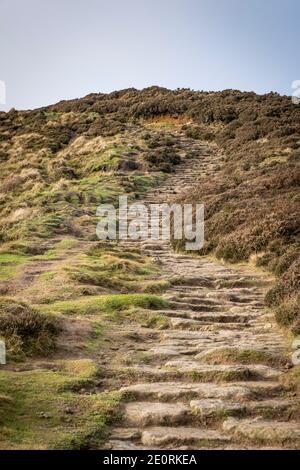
x=94, y=343
x=105, y=304
x=9, y=263
x=155, y=287
x=42, y=411
x=142, y=183
x=148, y=319
x=106, y=161
x=106, y=266
x=58, y=251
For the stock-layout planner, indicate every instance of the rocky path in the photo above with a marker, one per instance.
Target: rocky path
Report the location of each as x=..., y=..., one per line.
x=213, y=378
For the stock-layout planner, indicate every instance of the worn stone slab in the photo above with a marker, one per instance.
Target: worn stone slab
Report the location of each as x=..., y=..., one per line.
x=155, y=413
x=164, y=436
x=263, y=430
x=212, y=407
x=175, y=390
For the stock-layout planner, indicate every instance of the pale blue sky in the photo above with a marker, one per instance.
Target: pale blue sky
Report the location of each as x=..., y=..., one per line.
x=60, y=49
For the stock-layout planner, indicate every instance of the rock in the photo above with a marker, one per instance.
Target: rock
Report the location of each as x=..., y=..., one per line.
x=45, y=415
x=149, y=414
x=210, y=372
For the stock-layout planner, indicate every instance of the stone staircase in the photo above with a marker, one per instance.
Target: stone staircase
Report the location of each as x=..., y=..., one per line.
x=213, y=378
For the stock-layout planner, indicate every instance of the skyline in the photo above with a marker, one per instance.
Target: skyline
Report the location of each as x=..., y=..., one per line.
x=66, y=50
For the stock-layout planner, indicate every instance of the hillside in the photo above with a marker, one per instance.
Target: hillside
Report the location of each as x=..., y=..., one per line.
x=75, y=310
x=58, y=163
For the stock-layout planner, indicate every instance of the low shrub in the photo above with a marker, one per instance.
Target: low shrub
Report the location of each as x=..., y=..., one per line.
x=288, y=313
x=26, y=331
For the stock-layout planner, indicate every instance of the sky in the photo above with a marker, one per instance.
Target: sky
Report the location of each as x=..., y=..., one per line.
x=61, y=49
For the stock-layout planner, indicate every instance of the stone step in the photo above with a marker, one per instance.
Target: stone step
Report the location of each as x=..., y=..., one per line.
x=206, y=317
x=215, y=407
x=186, y=324
x=165, y=391
x=125, y=434
x=195, y=282
x=212, y=336
x=169, y=350
x=261, y=430
x=224, y=342
x=194, y=302
x=218, y=408
x=238, y=391
x=155, y=413
x=223, y=371
x=245, y=347
x=177, y=436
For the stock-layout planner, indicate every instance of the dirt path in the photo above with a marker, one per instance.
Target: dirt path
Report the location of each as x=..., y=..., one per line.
x=214, y=377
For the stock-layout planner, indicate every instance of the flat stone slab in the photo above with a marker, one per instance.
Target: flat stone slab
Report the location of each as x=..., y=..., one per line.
x=262, y=387
x=213, y=407
x=147, y=372
x=210, y=372
x=264, y=371
x=187, y=324
x=204, y=317
x=125, y=434
x=162, y=436
x=275, y=405
x=175, y=390
x=263, y=430
x=151, y=414
x=169, y=351
x=236, y=372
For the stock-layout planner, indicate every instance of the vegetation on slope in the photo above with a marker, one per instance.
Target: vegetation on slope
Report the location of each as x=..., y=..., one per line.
x=41, y=409
x=58, y=164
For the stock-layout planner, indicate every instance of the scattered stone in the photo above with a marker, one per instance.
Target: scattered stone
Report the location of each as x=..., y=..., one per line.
x=45, y=415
